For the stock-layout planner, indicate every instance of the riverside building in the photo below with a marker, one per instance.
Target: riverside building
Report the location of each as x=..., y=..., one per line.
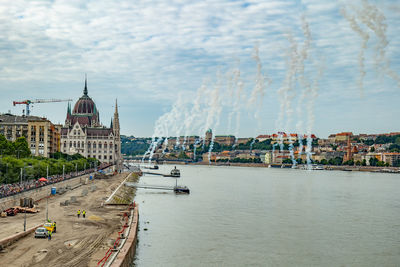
x=42, y=135
x=84, y=134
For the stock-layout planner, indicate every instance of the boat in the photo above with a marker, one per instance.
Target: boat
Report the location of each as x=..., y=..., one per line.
x=181, y=189
x=317, y=167
x=175, y=172
x=155, y=167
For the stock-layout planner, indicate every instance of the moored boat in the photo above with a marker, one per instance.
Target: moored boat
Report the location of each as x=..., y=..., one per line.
x=181, y=190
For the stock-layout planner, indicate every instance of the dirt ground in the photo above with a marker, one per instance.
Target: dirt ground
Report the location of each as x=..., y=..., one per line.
x=77, y=242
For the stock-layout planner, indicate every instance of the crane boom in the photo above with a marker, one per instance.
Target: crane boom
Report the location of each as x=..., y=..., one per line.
x=28, y=102
x=49, y=100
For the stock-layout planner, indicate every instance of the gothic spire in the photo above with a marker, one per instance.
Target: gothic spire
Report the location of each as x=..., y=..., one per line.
x=85, y=91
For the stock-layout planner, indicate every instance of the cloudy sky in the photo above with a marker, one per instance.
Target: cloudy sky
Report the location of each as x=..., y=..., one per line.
x=326, y=66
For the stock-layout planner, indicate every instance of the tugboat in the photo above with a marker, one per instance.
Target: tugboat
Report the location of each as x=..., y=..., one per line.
x=175, y=172
x=181, y=190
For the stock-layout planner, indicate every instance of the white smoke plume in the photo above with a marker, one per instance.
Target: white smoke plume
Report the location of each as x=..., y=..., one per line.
x=369, y=17
x=286, y=92
x=257, y=95
x=303, y=81
x=364, y=37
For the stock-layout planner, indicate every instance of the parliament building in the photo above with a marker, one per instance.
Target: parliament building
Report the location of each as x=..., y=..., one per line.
x=84, y=134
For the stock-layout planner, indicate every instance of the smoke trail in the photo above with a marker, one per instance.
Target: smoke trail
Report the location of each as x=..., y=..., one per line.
x=291, y=151
x=365, y=37
x=214, y=113
x=374, y=19
x=305, y=85
x=257, y=95
x=286, y=92
x=239, y=91
x=189, y=123
x=232, y=80
x=310, y=112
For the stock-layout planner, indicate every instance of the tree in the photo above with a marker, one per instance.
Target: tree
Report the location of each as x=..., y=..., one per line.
x=182, y=155
x=372, y=149
x=287, y=161
x=364, y=162
x=380, y=163
x=358, y=163
x=373, y=161
x=21, y=148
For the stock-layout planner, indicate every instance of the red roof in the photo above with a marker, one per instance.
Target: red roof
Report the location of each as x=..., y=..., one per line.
x=345, y=134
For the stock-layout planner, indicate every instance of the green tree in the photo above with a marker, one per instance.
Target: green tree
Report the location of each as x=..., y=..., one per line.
x=287, y=161
x=381, y=164
x=182, y=155
x=373, y=161
x=21, y=148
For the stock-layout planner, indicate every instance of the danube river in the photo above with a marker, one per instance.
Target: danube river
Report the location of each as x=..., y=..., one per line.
x=236, y=216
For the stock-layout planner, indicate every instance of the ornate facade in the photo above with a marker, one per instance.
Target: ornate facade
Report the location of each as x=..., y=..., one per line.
x=84, y=134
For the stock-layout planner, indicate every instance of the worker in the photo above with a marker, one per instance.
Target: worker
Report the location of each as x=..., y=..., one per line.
x=49, y=235
x=83, y=213
x=55, y=227
x=79, y=213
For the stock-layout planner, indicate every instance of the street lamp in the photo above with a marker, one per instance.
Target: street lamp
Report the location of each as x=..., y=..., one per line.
x=47, y=209
x=25, y=219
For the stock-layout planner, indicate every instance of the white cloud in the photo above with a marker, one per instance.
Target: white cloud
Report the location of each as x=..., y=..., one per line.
x=153, y=51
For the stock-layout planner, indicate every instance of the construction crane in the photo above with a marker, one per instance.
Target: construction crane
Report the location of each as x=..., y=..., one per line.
x=28, y=102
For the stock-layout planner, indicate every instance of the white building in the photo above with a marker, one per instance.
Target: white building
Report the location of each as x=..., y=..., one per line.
x=84, y=134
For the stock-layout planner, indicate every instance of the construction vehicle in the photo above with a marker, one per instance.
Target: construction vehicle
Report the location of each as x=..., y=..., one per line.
x=29, y=102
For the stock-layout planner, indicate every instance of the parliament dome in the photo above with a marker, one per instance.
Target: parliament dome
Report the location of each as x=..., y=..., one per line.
x=84, y=112
x=84, y=105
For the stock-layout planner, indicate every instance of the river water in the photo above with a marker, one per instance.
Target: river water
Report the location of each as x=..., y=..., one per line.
x=237, y=216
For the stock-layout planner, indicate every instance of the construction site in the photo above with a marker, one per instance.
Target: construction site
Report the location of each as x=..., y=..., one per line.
x=96, y=240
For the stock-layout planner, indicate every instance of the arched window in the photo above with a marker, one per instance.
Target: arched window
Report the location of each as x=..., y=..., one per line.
x=94, y=145
x=88, y=145
x=99, y=145
x=105, y=145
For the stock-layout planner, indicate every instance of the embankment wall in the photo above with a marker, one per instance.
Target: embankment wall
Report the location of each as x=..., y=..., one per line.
x=11, y=239
x=126, y=255
x=39, y=193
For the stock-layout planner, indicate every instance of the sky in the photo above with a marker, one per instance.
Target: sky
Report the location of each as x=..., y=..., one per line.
x=181, y=67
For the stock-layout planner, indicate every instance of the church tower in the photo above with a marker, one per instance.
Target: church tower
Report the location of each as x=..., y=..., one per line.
x=116, y=130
